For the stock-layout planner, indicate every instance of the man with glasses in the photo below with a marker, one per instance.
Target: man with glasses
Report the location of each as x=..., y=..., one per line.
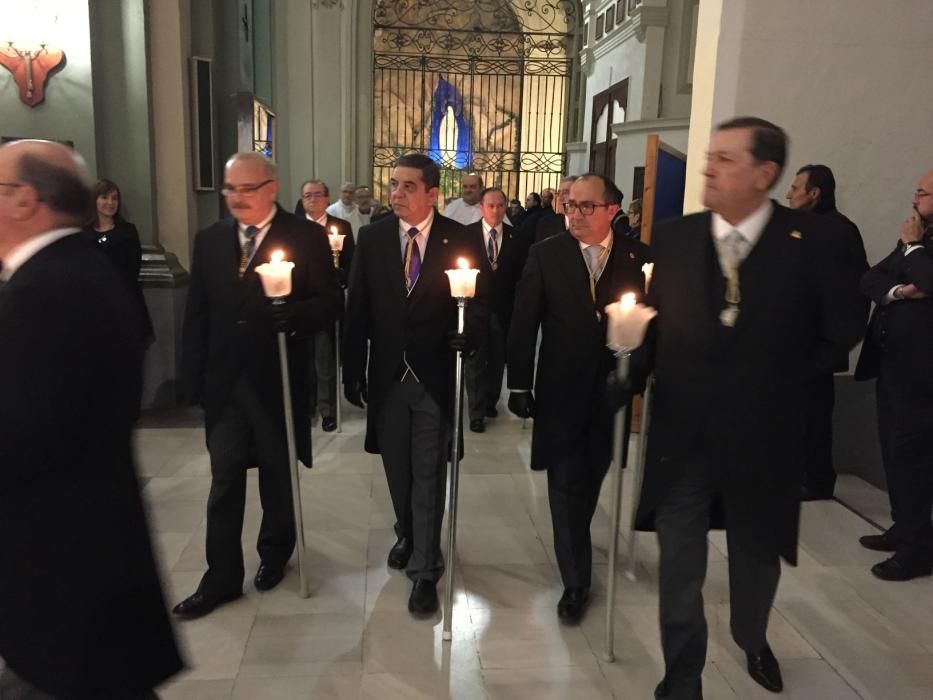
x=345, y=208
x=313, y=207
x=230, y=367
x=897, y=351
x=568, y=281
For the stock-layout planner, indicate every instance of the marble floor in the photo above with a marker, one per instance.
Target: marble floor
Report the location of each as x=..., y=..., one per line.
x=838, y=632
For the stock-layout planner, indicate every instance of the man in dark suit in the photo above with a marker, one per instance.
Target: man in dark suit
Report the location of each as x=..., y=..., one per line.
x=897, y=350
x=568, y=281
x=751, y=302
x=81, y=609
x=814, y=189
x=230, y=367
x=506, y=254
x=554, y=222
x=323, y=394
x=399, y=304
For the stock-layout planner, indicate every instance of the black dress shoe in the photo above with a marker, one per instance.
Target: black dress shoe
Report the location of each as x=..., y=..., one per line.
x=809, y=493
x=885, y=542
x=328, y=424
x=268, y=577
x=200, y=604
x=765, y=671
x=400, y=553
x=661, y=691
x=899, y=568
x=478, y=425
x=492, y=412
x=423, y=599
x=572, y=604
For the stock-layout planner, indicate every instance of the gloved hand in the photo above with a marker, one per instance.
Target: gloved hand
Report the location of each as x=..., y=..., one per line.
x=458, y=342
x=281, y=317
x=522, y=404
x=618, y=392
x=341, y=277
x=356, y=393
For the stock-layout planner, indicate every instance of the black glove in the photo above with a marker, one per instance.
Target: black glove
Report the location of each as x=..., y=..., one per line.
x=618, y=392
x=356, y=393
x=282, y=317
x=522, y=404
x=341, y=277
x=458, y=342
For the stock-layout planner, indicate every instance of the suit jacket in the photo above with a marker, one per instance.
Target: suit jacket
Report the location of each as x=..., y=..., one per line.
x=227, y=330
x=738, y=394
x=549, y=224
x=343, y=226
x=899, y=342
x=396, y=324
x=851, y=249
x=574, y=363
x=81, y=608
x=513, y=251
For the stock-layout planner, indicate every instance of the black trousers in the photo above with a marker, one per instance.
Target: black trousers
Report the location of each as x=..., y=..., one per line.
x=908, y=464
x=573, y=487
x=12, y=687
x=323, y=374
x=245, y=436
x=485, y=370
x=819, y=473
x=682, y=522
x=414, y=438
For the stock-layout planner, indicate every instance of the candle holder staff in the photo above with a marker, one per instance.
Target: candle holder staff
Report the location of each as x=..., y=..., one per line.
x=401, y=336
x=336, y=241
x=231, y=368
x=567, y=283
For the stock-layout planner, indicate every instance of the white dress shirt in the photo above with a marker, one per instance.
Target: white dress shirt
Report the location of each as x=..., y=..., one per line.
x=17, y=257
x=500, y=231
x=421, y=240
x=263, y=227
x=751, y=228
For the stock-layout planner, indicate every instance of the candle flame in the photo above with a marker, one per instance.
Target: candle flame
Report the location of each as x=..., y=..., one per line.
x=278, y=256
x=627, y=302
x=463, y=264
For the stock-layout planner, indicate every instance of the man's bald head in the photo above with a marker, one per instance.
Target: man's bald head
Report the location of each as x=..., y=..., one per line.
x=471, y=188
x=43, y=186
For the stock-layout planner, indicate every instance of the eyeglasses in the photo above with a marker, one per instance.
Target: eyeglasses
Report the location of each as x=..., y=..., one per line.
x=586, y=208
x=245, y=190
x=919, y=194
x=313, y=195
x=12, y=185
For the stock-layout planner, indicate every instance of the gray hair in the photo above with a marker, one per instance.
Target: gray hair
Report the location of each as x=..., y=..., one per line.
x=269, y=169
x=65, y=192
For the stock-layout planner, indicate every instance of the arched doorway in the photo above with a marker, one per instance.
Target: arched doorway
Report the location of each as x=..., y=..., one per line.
x=479, y=85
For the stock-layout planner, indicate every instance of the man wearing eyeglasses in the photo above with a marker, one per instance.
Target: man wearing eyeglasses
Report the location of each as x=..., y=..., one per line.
x=568, y=281
x=313, y=207
x=230, y=367
x=897, y=351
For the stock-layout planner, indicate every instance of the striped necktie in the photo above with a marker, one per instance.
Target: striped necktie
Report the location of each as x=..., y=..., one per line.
x=412, y=259
x=493, y=248
x=249, y=247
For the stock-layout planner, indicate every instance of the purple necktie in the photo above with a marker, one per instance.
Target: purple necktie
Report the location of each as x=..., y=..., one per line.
x=412, y=259
x=493, y=248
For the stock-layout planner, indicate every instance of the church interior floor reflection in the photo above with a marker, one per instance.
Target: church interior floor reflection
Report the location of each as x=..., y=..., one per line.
x=838, y=632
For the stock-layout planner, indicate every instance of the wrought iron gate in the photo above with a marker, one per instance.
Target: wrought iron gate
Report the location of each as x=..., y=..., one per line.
x=479, y=85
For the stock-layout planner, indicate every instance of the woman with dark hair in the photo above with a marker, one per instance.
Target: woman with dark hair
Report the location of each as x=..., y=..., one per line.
x=119, y=241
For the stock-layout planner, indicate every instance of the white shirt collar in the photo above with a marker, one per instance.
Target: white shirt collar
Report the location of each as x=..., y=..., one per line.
x=322, y=221
x=262, y=226
x=424, y=228
x=487, y=228
x=751, y=227
x=17, y=257
x=604, y=243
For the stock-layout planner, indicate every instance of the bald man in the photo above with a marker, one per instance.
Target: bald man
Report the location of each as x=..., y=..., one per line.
x=81, y=608
x=346, y=208
x=897, y=351
x=467, y=210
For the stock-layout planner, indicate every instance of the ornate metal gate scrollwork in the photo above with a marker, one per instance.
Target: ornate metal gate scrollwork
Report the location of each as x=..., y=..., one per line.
x=479, y=85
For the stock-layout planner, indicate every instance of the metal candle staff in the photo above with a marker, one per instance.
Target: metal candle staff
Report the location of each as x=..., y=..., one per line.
x=336, y=246
x=276, y=277
x=462, y=288
x=638, y=471
x=626, y=328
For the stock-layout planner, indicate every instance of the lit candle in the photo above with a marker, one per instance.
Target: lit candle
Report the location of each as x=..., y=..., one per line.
x=276, y=275
x=648, y=270
x=462, y=280
x=627, y=323
x=336, y=240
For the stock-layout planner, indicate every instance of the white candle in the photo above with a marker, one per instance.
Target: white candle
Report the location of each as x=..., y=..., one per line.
x=276, y=276
x=336, y=240
x=648, y=270
x=462, y=280
x=627, y=323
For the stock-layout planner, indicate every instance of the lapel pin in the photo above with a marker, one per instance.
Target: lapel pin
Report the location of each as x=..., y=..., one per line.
x=796, y=234
x=631, y=256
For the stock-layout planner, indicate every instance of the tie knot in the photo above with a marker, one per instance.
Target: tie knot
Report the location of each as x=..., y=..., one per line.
x=493, y=233
x=412, y=232
x=251, y=231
